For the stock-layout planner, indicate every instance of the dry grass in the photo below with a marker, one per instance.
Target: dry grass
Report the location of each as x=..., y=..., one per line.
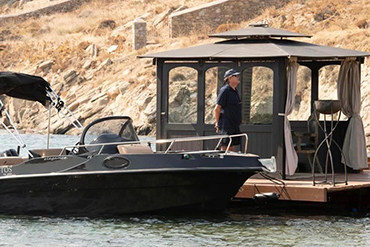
x=54, y=37
x=227, y=27
x=333, y=22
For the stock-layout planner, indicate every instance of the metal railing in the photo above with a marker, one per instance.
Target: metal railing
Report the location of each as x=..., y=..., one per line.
x=171, y=141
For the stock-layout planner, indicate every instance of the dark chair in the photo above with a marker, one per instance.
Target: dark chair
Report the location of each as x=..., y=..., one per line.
x=307, y=142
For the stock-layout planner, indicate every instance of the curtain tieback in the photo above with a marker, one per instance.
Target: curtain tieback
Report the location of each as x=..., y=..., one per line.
x=356, y=115
x=282, y=115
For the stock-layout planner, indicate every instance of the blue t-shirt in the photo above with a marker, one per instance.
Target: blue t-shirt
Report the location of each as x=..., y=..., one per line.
x=231, y=111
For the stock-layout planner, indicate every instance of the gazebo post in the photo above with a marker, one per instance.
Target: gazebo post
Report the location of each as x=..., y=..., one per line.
x=160, y=106
x=201, y=101
x=314, y=84
x=361, y=61
x=280, y=89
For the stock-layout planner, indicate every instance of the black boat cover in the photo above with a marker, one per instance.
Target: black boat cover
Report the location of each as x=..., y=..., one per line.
x=24, y=86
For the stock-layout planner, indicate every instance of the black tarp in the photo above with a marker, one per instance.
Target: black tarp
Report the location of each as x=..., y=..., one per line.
x=24, y=86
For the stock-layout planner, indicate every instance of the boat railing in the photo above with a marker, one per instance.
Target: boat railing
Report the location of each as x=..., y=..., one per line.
x=171, y=142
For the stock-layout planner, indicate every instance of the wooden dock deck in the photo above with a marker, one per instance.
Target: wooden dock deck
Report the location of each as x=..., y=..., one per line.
x=300, y=188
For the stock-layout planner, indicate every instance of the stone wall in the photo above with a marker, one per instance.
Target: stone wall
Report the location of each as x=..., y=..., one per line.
x=66, y=6
x=219, y=12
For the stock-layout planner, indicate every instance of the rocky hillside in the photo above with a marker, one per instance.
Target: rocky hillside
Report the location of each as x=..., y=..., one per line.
x=87, y=54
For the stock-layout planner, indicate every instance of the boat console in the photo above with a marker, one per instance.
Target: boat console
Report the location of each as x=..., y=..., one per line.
x=114, y=129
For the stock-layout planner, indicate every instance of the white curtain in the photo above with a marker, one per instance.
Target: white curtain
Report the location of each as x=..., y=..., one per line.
x=291, y=155
x=354, y=146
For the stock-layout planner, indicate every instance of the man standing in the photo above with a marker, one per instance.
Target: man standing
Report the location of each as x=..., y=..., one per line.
x=228, y=109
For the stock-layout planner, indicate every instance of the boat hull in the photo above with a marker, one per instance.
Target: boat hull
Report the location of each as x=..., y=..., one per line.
x=103, y=194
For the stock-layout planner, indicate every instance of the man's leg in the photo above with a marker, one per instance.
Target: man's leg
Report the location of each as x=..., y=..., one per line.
x=226, y=141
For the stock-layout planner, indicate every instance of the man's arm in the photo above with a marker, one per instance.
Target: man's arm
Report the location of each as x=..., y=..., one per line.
x=217, y=115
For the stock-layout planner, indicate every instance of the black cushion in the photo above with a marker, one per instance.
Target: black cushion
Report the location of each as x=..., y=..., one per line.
x=8, y=153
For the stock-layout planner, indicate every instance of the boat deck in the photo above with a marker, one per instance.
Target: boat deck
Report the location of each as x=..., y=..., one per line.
x=300, y=187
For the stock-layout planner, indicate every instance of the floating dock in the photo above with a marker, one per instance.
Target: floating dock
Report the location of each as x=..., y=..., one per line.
x=299, y=188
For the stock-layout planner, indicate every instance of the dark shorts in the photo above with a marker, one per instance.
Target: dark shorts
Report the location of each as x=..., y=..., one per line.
x=235, y=140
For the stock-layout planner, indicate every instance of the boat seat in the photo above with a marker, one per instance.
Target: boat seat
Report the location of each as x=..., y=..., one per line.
x=12, y=160
x=134, y=149
x=9, y=153
x=49, y=152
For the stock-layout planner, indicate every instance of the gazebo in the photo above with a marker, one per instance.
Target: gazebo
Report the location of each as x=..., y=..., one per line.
x=185, y=108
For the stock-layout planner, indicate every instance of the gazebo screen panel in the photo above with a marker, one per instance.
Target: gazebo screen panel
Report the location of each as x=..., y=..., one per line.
x=257, y=95
x=302, y=104
x=182, y=95
x=328, y=76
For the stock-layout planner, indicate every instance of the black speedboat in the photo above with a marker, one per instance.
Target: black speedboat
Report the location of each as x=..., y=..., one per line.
x=111, y=172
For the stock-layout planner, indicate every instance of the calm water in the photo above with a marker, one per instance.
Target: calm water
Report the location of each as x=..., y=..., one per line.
x=235, y=227
x=230, y=229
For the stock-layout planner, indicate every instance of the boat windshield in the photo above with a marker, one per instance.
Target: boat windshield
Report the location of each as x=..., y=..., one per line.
x=107, y=130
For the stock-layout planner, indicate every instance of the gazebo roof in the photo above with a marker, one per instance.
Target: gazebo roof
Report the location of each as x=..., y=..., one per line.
x=258, y=30
x=257, y=48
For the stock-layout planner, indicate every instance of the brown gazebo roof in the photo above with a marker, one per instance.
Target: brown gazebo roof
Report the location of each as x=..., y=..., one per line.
x=257, y=48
